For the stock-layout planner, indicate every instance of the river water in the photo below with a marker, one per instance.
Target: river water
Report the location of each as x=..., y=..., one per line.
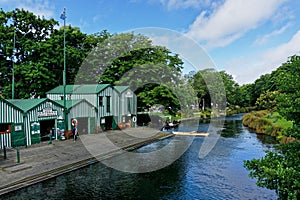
x=219, y=175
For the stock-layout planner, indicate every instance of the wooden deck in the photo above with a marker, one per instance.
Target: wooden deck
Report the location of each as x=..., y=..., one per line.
x=193, y=133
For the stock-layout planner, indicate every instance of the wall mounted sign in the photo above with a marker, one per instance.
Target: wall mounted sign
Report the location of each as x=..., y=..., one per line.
x=18, y=128
x=47, y=112
x=129, y=95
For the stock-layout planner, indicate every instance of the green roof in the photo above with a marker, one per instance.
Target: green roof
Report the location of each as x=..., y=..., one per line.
x=79, y=89
x=121, y=89
x=69, y=103
x=26, y=104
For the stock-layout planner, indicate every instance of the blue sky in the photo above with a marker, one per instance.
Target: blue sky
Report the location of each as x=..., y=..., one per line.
x=246, y=38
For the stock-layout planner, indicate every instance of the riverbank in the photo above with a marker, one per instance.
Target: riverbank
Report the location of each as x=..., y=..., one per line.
x=265, y=122
x=45, y=161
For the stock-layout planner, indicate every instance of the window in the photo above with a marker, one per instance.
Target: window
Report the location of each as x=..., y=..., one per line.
x=128, y=105
x=100, y=101
x=108, y=104
x=4, y=128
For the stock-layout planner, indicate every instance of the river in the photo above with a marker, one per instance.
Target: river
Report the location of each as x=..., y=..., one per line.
x=218, y=175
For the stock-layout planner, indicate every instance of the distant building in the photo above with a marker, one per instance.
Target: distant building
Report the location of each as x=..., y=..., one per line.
x=113, y=104
x=95, y=107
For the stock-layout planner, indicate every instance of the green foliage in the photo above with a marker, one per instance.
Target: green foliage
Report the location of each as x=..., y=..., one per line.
x=153, y=72
x=246, y=95
x=38, y=54
x=237, y=109
x=232, y=89
x=289, y=87
x=218, y=88
x=256, y=121
x=209, y=88
x=278, y=171
x=159, y=95
x=293, y=131
x=113, y=57
x=266, y=122
x=31, y=36
x=267, y=100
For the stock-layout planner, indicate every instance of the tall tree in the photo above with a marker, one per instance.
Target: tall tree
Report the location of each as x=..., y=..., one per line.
x=210, y=90
x=247, y=97
x=129, y=59
x=38, y=54
x=280, y=170
x=233, y=93
x=31, y=33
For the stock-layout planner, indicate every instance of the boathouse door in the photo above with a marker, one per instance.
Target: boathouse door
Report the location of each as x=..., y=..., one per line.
x=18, y=135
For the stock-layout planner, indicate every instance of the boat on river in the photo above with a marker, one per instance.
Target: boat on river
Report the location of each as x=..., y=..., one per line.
x=193, y=133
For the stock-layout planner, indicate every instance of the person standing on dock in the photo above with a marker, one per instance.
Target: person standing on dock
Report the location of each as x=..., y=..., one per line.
x=74, y=129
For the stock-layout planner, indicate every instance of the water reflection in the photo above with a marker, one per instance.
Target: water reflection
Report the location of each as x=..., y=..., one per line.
x=232, y=128
x=266, y=139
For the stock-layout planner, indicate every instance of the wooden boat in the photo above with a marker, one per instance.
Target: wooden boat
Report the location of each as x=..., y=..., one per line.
x=193, y=133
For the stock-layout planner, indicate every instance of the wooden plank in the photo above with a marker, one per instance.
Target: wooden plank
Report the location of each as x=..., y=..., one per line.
x=193, y=133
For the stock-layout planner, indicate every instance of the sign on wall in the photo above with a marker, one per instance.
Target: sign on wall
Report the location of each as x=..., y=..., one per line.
x=47, y=112
x=128, y=94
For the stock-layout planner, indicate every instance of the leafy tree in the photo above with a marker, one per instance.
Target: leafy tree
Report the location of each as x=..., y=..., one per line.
x=160, y=95
x=267, y=101
x=289, y=86
x=232, y=89
x=6, y=49
x=280, y=170
x=38, y=54
x=209, y=87
x=31, y=33
x=201, y=89
x=129, y=59
x=101, y=64
x=247, y=98
x=261, y=85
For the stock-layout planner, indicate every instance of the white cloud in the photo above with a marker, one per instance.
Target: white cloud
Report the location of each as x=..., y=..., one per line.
x=182, y=4
x=276, y=56
x=230, y=21
x=249, y=68
x=266, y=38
x=284, y=14
x=42, y=8
x=83, y=23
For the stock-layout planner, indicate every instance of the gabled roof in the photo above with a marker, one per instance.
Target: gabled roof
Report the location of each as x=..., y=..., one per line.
x=121, y=89
x=79, y=89
x=91, y=89
x=71, y=103
x=26, y=105
x=60, y=89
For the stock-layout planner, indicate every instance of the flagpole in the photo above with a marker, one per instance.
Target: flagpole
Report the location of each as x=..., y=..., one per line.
x=13, y=66
x=64, y=73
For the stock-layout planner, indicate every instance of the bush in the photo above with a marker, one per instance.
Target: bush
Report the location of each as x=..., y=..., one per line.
x=254, y=121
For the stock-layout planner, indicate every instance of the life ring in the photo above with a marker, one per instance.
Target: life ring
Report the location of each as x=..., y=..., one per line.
x=74, y=122
x=134, y=119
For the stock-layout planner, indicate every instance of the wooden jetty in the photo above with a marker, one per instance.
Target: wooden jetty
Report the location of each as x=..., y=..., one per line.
x=193, y=133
